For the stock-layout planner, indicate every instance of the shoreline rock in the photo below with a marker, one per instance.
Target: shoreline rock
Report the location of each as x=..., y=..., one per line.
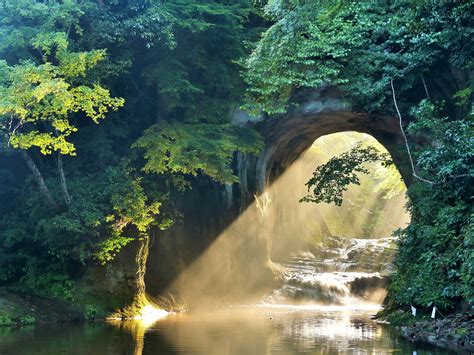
x=454, y=332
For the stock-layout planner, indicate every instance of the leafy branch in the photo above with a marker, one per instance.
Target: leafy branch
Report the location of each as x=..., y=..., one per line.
x=330, y=180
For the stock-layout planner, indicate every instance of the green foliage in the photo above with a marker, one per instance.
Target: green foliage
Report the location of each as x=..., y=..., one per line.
x=48, y=284
x=331, y=179
x=302, y=49
x=36, y=101
x=6, y=321
x=174, y=64
x=22, y=20
x=435, y=260
x=27, y=320
x=463, y=97
x=192, y=148
x=437, y=246
x=131, y=207
x=358, y=46
x=451, y=153
x=92, y=312
x=97, y=224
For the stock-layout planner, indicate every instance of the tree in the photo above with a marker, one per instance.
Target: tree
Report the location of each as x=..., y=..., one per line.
x=191, y=148
x=173, y=62
x=360, y=46
x=38, y=101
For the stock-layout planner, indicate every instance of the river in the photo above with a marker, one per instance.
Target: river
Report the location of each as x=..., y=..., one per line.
x=322, y=306
x=235, y=330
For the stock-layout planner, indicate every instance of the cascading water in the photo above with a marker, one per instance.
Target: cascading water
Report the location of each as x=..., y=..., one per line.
x=338, y=271
x=239, y=266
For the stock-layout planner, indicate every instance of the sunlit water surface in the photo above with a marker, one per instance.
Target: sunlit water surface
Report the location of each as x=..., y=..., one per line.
x=237, y=330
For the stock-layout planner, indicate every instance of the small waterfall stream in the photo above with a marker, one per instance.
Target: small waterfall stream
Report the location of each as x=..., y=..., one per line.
x=339, y=271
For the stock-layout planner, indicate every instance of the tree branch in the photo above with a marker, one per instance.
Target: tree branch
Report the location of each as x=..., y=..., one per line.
x=62, y=177
x=39, y=179
x=426, y=87
x=415, y=175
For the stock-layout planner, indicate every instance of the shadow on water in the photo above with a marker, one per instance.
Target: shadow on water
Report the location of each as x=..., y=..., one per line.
x=235, y=330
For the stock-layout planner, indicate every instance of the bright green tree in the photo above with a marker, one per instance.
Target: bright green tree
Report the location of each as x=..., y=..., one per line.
x=38, y=101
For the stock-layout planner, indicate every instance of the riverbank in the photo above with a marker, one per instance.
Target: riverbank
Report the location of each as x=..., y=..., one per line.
x=237, y=330
x=19, y=309
x=453, y=332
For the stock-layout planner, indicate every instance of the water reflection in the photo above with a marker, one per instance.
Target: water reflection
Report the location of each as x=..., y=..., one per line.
x=277, y=329
x=239, y=330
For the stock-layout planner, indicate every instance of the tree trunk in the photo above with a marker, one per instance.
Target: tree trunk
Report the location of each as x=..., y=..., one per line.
x=62, y=177
x=141, y=259
x=39, y=179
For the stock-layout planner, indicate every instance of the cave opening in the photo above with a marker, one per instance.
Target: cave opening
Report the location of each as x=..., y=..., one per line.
x=276, y=237
x=373, y=209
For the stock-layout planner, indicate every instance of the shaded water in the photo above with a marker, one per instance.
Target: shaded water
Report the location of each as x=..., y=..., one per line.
x=320, y=307
x=238, y=330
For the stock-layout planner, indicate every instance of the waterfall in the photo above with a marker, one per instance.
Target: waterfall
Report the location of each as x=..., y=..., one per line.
x=338, y=271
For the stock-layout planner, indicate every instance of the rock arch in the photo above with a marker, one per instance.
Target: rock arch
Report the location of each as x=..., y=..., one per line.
x=325, y=112
x=210, y=208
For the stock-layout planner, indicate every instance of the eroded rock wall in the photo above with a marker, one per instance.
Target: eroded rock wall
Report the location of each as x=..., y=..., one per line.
x=209, y=208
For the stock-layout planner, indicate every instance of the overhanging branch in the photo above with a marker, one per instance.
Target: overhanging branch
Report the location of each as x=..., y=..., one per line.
x=415, y=175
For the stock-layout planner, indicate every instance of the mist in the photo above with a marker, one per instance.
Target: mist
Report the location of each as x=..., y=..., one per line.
x=245, y=263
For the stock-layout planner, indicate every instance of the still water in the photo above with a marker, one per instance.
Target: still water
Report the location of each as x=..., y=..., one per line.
x=236, y=330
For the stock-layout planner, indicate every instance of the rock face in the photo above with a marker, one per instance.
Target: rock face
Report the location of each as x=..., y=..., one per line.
x=205, y=214
x=455, y=332
x=324, y=112
x=210, y=208
x=115, y=285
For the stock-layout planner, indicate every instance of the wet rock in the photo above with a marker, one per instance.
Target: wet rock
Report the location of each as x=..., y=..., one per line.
x=311, y=277
x=454, y=332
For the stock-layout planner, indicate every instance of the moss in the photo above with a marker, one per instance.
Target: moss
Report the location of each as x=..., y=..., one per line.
x=462, y=331
x=133, y=309
x=6, y=321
